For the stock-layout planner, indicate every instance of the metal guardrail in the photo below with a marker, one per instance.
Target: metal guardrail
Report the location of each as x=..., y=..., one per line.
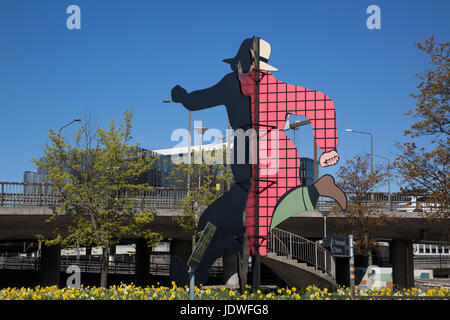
x=16, y=194
x=119, y=266
x=436, y=261
x=292, y=246
x=20, y=263
x=159, y=264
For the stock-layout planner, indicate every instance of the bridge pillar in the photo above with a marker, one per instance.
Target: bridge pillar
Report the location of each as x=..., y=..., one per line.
x=182, y=249
x=230, y=272
x=142, y=263
x=401, y=252
x=49, y=274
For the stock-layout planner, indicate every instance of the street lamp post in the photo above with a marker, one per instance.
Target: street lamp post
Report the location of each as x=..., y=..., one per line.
x=371, y=152
x=74, y=120
x=59, y=132
x=389, y=178
x=295, y=126
x=200, y=131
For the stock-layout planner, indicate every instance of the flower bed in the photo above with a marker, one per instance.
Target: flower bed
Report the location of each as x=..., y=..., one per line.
x=131, y=292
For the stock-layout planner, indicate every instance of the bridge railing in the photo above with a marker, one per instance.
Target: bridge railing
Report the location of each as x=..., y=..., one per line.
x=436, y=261
x=17, y=194
x=385, y=203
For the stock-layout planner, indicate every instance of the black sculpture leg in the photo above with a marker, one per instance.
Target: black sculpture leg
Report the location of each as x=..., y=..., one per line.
x=227, y=214
x=180, y=273
x=214, y=251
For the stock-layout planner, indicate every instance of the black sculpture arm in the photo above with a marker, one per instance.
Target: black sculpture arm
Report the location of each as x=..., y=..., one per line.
x=202, y=99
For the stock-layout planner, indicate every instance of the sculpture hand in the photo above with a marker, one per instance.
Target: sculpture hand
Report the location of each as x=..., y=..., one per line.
x=178, y=94
x=329, y=158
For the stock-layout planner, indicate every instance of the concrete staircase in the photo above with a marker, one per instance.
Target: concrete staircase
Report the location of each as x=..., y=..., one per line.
x=298, y=261
x=297, y=274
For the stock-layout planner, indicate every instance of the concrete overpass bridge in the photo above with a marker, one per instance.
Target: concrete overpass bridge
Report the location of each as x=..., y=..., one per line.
x=24, y=209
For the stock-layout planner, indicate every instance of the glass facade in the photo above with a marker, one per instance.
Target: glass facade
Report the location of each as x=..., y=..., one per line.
x=155, y=177
x=307, y=171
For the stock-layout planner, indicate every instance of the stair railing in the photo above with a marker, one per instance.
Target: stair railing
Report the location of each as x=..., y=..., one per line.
x=292, y=246
x=277, y=246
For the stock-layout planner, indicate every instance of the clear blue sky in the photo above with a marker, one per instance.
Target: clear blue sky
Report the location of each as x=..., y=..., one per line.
x=129, y=54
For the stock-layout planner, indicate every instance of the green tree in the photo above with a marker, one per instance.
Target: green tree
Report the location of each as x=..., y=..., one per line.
x=95, y=177
x=426, y=168
x=205, y=182
x=363, y=215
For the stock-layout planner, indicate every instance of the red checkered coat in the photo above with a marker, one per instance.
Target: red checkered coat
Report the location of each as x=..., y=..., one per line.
x=278, y=167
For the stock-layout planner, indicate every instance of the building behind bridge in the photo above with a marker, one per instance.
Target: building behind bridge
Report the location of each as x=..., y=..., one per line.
x=158, y=175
